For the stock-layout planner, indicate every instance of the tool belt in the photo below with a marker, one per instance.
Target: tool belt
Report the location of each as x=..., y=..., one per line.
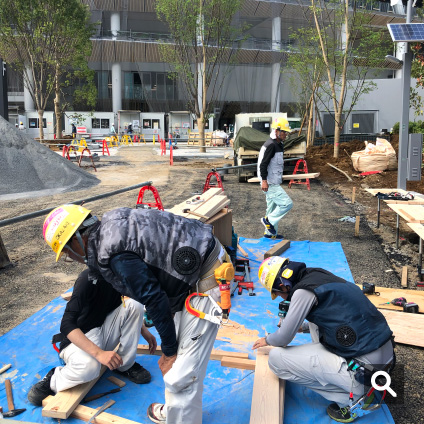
x=364, y=372
x=207, y=279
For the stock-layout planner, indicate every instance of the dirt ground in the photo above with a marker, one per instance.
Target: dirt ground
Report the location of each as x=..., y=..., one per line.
x=35, y=279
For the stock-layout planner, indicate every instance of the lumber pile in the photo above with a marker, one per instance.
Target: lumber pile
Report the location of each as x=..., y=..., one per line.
x=298, y=176
x=210, y=203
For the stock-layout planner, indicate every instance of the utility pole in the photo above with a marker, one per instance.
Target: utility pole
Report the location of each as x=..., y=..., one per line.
x=4, y=104
x=404, y=120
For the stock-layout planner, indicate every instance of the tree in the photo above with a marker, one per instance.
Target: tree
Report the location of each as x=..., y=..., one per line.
x=203, y=34
x=351, y=49
x=40, y=38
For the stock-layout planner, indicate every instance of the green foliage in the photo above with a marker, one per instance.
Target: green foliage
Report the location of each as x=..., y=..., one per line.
x=203, y=33
x=415, y=127
x=44, y=38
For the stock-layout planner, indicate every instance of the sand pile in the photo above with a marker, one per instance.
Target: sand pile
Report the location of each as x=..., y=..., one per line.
x=28, y=169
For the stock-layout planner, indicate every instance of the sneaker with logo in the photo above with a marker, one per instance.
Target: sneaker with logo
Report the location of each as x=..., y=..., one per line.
x=341, y=415
x=41, y=390
x=156, y=413
x=268, y=226
x=274, y=237
x=137, y=374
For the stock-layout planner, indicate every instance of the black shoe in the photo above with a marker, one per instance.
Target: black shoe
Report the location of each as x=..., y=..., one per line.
x=341, y=415
x=41, y=390
x=275, y=237
x=137, y=374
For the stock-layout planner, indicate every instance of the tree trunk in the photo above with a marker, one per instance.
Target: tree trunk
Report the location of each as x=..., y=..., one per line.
x=337, y=119
x=57, y=110
x=201, y=127
x=40, y=123
x=310, y=137
x=4, y=259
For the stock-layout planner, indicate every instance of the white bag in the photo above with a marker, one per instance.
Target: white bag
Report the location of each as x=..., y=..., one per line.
x=378, y=157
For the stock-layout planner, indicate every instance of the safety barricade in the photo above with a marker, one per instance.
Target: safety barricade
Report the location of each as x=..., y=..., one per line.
x=66, y=150
x=114, y=142
x=136, y=138
x=171, y=155
x=89, y=155
x=303, y=170
x=105, y=148
x=149, y=205
x=126, y=139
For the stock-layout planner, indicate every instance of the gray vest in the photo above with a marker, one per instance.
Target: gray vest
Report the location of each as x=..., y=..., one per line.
x=275, y=166
x=162, y=240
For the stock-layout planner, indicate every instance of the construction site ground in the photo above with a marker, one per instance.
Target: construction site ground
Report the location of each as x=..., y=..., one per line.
x=35, y=279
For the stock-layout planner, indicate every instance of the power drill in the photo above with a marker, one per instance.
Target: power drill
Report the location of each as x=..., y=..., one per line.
x=223, y=275
x=283, y=308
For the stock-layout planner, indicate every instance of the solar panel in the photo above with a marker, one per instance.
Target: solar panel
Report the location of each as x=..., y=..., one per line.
x=406, y=32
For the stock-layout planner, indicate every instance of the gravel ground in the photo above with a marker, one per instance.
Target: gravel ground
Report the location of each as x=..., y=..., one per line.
x=35, y=279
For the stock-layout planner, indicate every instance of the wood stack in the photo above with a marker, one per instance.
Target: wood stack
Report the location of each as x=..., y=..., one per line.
x=209, y=203
x=210, y=208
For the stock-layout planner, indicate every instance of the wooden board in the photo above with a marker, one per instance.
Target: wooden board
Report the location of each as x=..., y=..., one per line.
x=116, y=381
x=410, y=213
x=404, y=279
x=282, y=398
x=388, y=294
x=242, y=364
x=66, y=296
x=278, y=249
x=290, y=177
x=84, y=413
x=266, y=393
x=418, y=228
x=407, y=328
x=207, y=195
x=63, y=403
x=216, y=354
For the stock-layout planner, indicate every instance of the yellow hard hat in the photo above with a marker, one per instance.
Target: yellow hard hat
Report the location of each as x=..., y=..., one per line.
x=268, y=272
x=281, y=124
x=21, y=123
x=61, y=224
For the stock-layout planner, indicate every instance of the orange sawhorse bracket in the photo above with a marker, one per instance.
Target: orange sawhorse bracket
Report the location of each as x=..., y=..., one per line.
x=149, y=205
x=208, y=183
x=303, y=170
x=89, y=155
x=66, y=150
x=105, y=148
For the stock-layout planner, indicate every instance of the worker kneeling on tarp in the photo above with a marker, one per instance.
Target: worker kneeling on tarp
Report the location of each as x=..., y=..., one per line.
x=157, y=259
x=350, y=337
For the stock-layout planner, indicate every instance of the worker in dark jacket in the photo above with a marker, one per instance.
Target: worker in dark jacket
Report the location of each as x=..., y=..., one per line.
x=95, y=320
x=347, y=332
x=270, y=172
x=156, y=258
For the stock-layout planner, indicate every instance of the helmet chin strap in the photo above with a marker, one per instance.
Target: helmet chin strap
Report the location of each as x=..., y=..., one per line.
x=81, y=243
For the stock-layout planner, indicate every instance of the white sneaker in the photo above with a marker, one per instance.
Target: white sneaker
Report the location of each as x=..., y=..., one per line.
x=156, y=412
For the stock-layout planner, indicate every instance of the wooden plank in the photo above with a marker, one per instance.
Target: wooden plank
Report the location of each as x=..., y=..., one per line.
x=216, y=354
x=418, y=228
x=410, y=213
x=240, y=363
x=282, y=398
x=116, y=381
x=357, y=222
x=388, y=294
x=289, y=177
x=243, y=252
x=66, y=296
x=266, y=393
x=63, y=403
x=404, y=280
x=353, y=194
x=84, y=413
x=407, y=328
x=278, y=249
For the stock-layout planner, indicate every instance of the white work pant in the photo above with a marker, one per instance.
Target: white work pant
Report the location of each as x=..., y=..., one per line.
x=184, y=381
x=122, y=325
x=278, y=204
x=313, y=366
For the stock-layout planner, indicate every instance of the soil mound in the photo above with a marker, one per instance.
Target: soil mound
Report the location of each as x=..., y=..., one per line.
x=28, y=169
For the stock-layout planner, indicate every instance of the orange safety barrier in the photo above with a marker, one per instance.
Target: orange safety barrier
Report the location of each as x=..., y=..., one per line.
x=171, y=155
x=208, y=183
x=89, y=155
x=105, y=148
x=136, y=139
x=303, y=170
x=66, y=150
x=149, y=205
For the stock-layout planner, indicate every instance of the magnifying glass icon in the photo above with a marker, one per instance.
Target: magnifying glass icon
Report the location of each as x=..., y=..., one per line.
x=385, y=386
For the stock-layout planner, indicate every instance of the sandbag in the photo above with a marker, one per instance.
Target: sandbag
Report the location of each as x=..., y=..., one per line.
x=378, y=157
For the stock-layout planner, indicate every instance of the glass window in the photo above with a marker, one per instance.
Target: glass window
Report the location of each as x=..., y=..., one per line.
x=161, y=89
x=33, y=123
x=105, y=123
x=147, y=124
x=195, y=124
x=95, y=123
x=156, y=124
x=128, y=85
x=169, y=89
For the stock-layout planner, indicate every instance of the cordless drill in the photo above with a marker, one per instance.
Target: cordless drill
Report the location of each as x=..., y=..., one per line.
x=223, y=275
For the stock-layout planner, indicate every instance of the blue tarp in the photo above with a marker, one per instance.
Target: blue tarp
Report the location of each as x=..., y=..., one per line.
x=227, y=392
